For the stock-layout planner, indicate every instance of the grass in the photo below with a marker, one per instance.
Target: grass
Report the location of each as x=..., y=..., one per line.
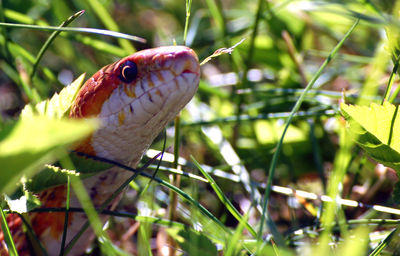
x=266, y=113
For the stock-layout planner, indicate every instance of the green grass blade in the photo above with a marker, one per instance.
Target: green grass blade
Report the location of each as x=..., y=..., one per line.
x=109, y=23
x=384, y=243
x=64, y=235
x=50, y=40
x=93, y=43
x=250, y=52
x=20, y=17
x=225, y=201
x=288, y=121
x=7, y=234
x=390, y=82
x=217, y=15
x=234, y=241
x=73, y=29
x=191, y=200
x=188, y=9
x=37, y=246
x=177, y=171
x=6, y=50
x=17, y=50
x=100, y=45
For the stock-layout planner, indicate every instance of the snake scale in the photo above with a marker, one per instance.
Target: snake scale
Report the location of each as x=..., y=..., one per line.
x=134, y=98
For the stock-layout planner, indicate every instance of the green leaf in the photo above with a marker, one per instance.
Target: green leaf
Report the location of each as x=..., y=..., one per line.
x=25, y=146
x=59, y=105
x=50, y=176
x=24, y=203
x=53, y=175
x=192, y=242
x=377, y=130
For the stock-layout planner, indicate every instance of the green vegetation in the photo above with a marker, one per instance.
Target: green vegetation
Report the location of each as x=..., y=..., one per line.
x=297, y=94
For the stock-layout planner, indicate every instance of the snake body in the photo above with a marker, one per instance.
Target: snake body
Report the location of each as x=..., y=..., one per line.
x=134, y=98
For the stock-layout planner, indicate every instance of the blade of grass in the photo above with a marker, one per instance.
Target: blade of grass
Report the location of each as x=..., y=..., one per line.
x=175, y=179
x=225, y=201
x=177, y=128
x=7, y=235
x=23, y=79
x=250, y=52
x=234, y=241
x=73, y=29
x=193, y=202
x=316, y=151
x=288, y=121
x=6, y=50
x=93, y=43
x=390, y=83
x=37, y=246
x=176, y=171
x=294, y=55
x=51, y=39
x=21, y=17
x=385, y=242
x=17, y=50
x=109, y=23
x=188, y=9
x=158, y=164
x=64, y=236
x=217, y=15
x=100, y=45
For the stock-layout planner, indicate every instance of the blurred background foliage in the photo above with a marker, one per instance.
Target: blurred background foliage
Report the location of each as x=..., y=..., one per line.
x=246, y=95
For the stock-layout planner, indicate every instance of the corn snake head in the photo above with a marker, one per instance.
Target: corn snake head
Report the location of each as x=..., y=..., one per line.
x=134, y=98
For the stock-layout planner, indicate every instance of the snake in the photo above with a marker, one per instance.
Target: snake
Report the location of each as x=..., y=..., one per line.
x=134, y=99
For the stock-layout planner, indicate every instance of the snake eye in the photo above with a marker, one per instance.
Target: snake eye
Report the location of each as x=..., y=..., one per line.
x=128, y=72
